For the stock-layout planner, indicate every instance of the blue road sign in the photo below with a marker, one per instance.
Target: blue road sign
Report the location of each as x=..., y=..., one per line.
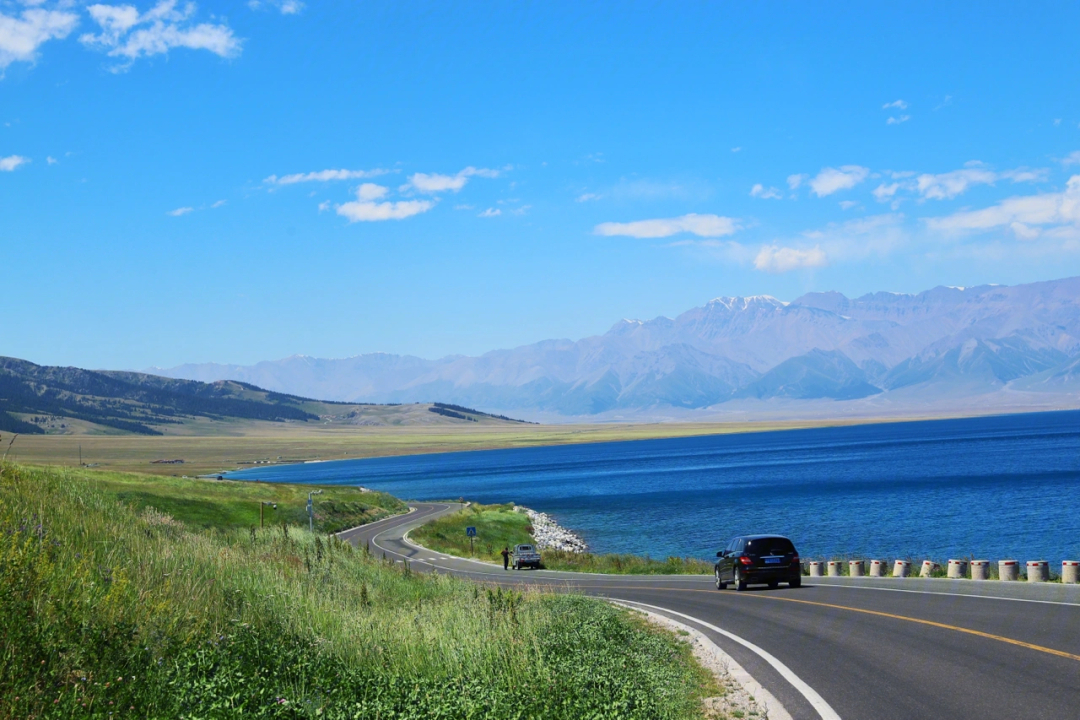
x=470, y=531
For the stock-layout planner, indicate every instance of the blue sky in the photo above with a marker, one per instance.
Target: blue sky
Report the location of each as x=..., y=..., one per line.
x=237, y=181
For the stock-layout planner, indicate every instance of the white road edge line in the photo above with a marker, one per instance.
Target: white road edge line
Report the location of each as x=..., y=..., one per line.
x=774, y=709
x=824, y=710
x=948, y=594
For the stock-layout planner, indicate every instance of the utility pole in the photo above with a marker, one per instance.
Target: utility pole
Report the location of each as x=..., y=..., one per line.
x=311, y=509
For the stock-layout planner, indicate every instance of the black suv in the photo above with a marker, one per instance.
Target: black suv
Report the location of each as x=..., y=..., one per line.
x=758, y=560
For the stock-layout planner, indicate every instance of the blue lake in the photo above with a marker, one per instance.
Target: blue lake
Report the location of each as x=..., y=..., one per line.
x=995, y=487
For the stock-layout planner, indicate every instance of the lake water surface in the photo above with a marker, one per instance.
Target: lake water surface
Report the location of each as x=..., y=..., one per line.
x=996, y=487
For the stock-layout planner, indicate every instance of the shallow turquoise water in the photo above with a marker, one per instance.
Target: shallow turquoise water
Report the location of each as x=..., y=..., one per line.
x=1006, y=486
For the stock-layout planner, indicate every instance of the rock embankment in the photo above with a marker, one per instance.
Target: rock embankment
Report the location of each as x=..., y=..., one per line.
x=549, y=535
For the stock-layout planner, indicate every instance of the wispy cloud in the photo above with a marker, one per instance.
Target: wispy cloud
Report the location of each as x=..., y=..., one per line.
x=700, y=225
x=435, y=183
x=490, y=212
x=897, y=120
x=588, y=197
x=12, y=162
x=219, y=203
x=51, y=160
x=126, y=33
x=324, y=176
x=945, y=186
x=795, y=181
x=285, y=7
x=776, y=259
x=180, y=211
x=1072, y=158
x=367, y=208
x=736, y=149
x=760, y=191
x=831, y=180
x=897, y=104
x=21, y=35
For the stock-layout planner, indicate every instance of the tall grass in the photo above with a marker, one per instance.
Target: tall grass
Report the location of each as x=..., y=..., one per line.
x=108, y=611
x=498, y=526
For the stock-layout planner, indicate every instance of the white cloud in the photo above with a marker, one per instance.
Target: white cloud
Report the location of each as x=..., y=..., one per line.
x=586, y=197
x=700, y=225
x=490, y=212
x=884, y=192
x=847, y=204
x=776, y=259
x=760, y=191
x=366, y=209
x=1024, y=215
x=21, y=35
x=219, y=203
x=324, y=176
x=898, y=104
x=436, y=183
x=831, y=180
x=897, y=120
x=736, y=149
x=324, y=206
x=285, y=7
x=795, y=181
x=11, y=162
x=1057, y=121
x=51, y=160
x=945, y=186
x=180, y=211
x=126, y=33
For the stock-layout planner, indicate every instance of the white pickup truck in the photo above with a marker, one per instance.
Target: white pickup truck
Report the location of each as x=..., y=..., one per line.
x=526, y=556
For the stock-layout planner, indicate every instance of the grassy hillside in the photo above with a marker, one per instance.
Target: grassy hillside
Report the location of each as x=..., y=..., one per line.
x=228, y=504
x=37, y=399
x=498, y=526
x=107, y=611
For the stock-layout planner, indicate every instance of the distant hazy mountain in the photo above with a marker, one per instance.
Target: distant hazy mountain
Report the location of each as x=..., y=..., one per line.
x=988, y=341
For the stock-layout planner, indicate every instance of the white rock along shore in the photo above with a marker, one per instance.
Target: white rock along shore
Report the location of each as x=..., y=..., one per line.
x=549, y=535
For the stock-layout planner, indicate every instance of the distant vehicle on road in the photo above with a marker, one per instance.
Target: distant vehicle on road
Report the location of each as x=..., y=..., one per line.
x=758, y=560
x=526, y=556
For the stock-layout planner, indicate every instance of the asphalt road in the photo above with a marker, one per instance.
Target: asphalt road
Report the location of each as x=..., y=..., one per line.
x=845, y=647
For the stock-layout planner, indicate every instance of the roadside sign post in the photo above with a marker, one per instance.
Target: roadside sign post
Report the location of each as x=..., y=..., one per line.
x=471, y=532
x=311, y=510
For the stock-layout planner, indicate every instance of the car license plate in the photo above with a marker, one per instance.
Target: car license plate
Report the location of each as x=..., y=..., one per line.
x=772, y=561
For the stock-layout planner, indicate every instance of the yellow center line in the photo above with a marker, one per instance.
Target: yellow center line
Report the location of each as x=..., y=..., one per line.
x=931, y=623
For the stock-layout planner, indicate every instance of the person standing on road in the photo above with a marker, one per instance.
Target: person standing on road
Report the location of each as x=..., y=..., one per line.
x=506, y=558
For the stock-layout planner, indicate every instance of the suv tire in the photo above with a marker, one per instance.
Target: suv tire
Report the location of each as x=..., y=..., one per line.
x=740, y=581
x=795, y=582
x=720, y=584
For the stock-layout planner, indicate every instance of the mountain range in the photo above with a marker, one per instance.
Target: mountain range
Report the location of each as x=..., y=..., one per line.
x=992, y=347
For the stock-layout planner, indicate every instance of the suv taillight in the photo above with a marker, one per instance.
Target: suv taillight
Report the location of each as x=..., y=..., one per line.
x=795, y=560
x=746, y=560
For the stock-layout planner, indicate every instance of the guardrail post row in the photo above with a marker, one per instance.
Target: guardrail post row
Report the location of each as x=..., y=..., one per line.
x=816, y=568
x=901, y=568
x=957, y=569
x=1008, y=570
x=834, y=568
x=1070, y=571
x=1038, y=571
x=855, y=568
x=927, y=568
x=877, y=568
x=980, y=569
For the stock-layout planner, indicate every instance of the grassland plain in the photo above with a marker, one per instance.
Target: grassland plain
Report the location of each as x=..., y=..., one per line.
x=108, y=611
x=242, y=444
x=499, y=526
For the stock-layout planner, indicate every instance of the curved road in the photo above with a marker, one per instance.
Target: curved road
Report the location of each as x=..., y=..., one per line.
x=843, y=647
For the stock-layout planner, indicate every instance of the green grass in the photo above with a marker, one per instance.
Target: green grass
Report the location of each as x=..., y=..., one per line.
x=230, y=504
x=498, y=526
x=109, y=611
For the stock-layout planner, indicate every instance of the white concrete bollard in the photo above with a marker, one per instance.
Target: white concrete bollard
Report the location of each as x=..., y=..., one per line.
x=957, y=569
x=815, y=568
x=1008, y=570
x=928, y=567
x=901, y=568
x=1070, y=571
x=1038, y=571
x=855, y=568
x=877, y=568
x=834, y=568
x=980, y=569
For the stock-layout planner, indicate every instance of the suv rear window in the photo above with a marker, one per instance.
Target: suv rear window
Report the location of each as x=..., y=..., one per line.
x=770, y=546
